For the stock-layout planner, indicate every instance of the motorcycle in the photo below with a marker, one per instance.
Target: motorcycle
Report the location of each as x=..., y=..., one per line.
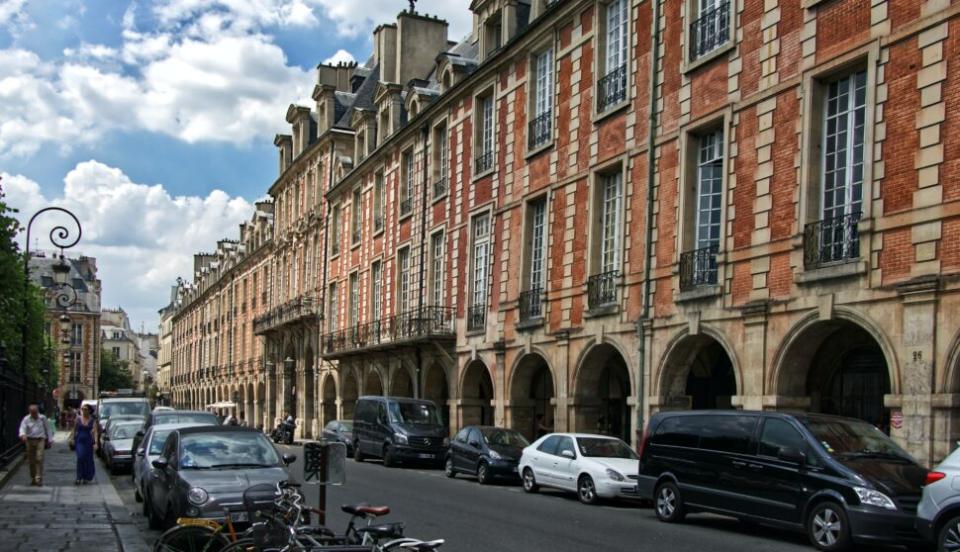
x=283, y=433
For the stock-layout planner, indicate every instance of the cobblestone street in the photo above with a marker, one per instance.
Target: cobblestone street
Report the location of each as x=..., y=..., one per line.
x=61, y=515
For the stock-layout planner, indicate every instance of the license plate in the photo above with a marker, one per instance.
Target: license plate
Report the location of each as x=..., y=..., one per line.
x=240, y=517
x=424, y=455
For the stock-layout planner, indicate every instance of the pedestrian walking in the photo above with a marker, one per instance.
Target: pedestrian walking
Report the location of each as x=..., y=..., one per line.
x=84, y=439
x=35, y=434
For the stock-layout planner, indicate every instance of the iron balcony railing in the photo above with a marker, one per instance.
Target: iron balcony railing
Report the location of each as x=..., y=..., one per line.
x=440, y=187
x=540, y=130
x=303, y=308
x=531, y=304
x=422, y=323
x=710, y=30
x=831, y=241
x=406, y=206
x=476, y=317
x=484, y=162
x=698, y=267
x=612, y=88
x=602, y=289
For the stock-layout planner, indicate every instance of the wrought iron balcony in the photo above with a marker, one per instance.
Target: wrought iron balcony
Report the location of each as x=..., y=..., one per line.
x=300, y=309
x=831, y=241
x=421, y=324
x=531, y=304
x=484, y=162
x=710, y=30
x=612, y=88
x=602, y=289
x=698, y=267
x=540, y=130
x=440, y=187
x=406, y=206
x=476, y=317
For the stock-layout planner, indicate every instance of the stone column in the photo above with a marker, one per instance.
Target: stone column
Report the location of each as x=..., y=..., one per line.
x=500, y=385
x=753, y=359
x=917, y=369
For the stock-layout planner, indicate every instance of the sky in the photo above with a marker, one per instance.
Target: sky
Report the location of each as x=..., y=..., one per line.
x=153, y=121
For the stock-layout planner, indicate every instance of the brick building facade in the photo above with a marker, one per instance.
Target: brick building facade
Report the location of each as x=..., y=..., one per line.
x=591, y=210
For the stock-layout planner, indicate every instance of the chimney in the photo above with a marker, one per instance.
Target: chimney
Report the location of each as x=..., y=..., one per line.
x=420, y=38
x=385, y=51
x=337, y=76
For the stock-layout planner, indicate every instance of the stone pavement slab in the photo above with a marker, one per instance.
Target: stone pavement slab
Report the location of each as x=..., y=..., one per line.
x=64, y=516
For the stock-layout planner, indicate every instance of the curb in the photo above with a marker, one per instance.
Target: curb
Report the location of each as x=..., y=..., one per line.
x=11, y=470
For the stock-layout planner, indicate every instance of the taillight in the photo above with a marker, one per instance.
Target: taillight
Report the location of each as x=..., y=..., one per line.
x=933, y=477
x=642, y=443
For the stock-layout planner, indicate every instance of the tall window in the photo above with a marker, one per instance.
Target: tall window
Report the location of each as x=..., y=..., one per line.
x=355, y=217
x=541, y=127
x=484, y=161
x=436, y=273
x=441, y=160
x=845, y=111
x=75, y=366
x=335, y=231
x=378, y=202
x=611, y=191
x=538, y=243
x=376, y=273
x=406, y=189
x=334, y=308
x=76, y=335
x=710, y=28
x=354, y=299
x=612, y=87
x=403, y=280
x=481, y=261
x=709, y=189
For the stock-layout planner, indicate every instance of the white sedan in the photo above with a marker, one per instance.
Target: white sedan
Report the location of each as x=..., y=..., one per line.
x=593, y=466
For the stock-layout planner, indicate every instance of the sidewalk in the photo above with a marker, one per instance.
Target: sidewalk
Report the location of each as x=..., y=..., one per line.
x=64, y=516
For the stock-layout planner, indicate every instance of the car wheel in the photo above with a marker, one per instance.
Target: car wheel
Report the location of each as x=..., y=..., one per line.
x=529, y=482
x=388, y=459
x=827, y=527
x=483, y=473
x=586, y=490
x=948, y=540
x=357, y=455
x=448, y=468
x=669, y=505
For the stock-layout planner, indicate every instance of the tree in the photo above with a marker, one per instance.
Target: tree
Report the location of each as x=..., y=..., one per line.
x=114, y=373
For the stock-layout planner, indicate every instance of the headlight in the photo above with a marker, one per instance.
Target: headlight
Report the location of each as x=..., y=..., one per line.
x=495, y=455
x=400, y=438
x=197, y=496
x=874, y=498
x=614, y=474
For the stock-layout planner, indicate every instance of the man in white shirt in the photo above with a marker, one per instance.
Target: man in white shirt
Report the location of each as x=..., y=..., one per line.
x=35, y=434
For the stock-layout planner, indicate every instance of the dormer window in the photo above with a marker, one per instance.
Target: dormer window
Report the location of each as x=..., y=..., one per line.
x=414, y=108
x=447, y=81
x=361, y=146
x=493, y=33
x=384, y=126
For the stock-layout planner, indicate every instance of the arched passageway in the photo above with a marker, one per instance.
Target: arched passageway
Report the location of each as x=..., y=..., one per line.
x=373, y=385
x=532, y=397
x=349, y=393
x=401, y=384
x=329, y=404
x=602, y=389
x=697, y=374
x=436, y=389
x=476, y=395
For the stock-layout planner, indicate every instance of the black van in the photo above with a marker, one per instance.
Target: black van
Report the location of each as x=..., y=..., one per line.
x=398, y=429
x=838, y=479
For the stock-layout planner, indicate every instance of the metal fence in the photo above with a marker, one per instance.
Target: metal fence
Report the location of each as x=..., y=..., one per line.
x=16, y=393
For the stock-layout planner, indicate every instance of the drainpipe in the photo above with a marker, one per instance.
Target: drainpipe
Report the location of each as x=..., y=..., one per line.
x=326, y=219
x=424, y=134
x=648, y=240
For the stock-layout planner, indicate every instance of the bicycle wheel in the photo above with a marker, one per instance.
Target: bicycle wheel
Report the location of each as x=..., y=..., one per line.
x=190, y=539
x=242, y=545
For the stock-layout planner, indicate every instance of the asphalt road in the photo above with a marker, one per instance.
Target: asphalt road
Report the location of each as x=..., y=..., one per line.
x=478, y=518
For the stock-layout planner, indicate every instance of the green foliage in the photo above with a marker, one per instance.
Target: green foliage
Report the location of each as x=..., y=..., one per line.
x=114, y=373
x=21, y=307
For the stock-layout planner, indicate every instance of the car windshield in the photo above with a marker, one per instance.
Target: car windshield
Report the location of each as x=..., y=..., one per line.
x=413, y=413
x=185, y=418
x=227, y=450
x=598, y=447
x=133, y=408
x=124, y=431
x=503, y=437
x=852, y=438
x=156, y=444
x=347, y=426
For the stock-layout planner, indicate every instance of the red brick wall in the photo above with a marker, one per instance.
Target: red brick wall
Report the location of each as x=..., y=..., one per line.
x=746, y=166
x=897, y=255
x=900, y=112
x=950, y=130
x=841, y=25
x=784, y=182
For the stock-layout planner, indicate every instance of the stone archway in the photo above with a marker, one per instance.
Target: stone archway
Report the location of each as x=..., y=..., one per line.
x=697, y=373
x=437, y=389
x=401, y=384
x=476, y=395
x=329, y=402
x=532, y=394
x=601, y=393
x=835, y=367
x=349, y=392
x=373, y=384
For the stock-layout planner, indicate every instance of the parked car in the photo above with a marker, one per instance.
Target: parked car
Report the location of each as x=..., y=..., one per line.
x=486, y=452
x=114, y=420
x=118, y=444
x=128, y=406
x=840, y=480
x=149, y=450
x=340, y=431
x=938, y=515
x=593, y=466
x=398, y=429
x=204, y=469
x=195, y=417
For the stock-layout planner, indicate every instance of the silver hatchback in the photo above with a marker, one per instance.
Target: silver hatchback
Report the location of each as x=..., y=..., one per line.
x=938, y=515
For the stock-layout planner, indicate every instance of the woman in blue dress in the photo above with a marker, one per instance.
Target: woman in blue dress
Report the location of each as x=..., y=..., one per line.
x=85, y=440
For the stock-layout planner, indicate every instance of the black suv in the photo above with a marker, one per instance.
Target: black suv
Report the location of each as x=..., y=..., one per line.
x=838, y=479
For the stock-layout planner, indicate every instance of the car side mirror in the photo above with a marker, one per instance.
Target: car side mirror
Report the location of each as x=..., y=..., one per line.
x=568, y=454
x=288, y=459
x=160, y=463
x=141, y=453
x=792, y=455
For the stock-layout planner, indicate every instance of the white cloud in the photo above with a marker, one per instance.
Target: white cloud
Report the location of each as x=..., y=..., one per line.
x=142, y=237
x=91, y=51
x=341, y=56
x=11, y=10
x=353, y=20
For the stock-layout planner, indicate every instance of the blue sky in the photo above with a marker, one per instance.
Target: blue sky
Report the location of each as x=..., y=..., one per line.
x=154, y=120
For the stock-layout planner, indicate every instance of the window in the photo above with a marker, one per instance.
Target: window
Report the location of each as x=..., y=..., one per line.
x=76, y=335
x=484, y=138
x=698, y=266
x=541, y=124
x=406, y=189
x=462, y=435
x=76, y=358
x=602, y=285
x=441, y=161
x=375, y=286
x=334, y=308
x=677, y=431
x=403, y=280
x=549, y=445
x=354, y=299
x=378, y=202
x=710, y=26
x=566, y=444
x=612, y=87
x=727, y=433
x=779, y=434
x=116, y=352
x=361, y=146
x=335, y=231
x=436, y=269
x=476, y=317
x=493, y=31
x=531, y=297
x=355, y=208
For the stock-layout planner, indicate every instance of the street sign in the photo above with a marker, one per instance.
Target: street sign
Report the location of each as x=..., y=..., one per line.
x=896, y=419
x=324, y=463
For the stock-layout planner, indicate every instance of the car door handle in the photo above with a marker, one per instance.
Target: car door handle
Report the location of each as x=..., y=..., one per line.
x=739, y=464
x=755, y=467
